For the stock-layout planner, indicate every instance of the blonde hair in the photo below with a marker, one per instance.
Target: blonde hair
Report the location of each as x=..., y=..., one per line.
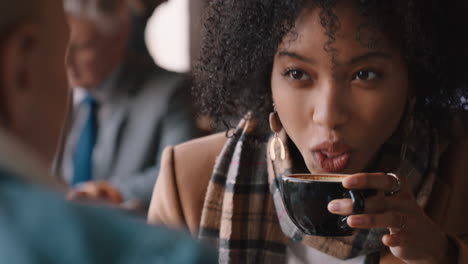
x=13, y=12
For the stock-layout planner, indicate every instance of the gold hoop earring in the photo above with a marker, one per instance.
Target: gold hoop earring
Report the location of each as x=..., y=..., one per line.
x=275, y=126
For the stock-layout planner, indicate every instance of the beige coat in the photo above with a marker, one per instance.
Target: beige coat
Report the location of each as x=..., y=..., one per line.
x=186, y=170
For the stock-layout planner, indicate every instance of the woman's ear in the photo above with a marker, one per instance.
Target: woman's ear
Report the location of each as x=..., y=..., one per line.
x=18, y=63
x=275, y=122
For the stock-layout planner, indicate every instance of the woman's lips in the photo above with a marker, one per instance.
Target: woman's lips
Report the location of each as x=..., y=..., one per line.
x=332, y=157
x=332, y=163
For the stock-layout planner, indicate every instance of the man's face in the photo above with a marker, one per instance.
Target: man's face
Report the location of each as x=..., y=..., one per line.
x=93, y=55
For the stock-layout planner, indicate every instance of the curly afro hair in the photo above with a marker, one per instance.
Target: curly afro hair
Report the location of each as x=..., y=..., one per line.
x=240, y=39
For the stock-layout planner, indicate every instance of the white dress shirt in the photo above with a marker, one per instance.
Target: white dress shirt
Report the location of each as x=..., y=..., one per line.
x=101, y=94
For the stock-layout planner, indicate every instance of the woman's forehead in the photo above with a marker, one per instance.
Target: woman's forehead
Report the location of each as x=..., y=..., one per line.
x=346, y=32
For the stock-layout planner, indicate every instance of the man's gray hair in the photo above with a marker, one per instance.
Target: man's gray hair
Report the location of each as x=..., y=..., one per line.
x=105, y=14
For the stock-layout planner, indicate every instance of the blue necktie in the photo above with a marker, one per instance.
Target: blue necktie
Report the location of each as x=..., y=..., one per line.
x=82, y=158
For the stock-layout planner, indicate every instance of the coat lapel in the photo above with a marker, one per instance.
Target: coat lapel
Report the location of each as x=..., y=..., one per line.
x=116, y=110
x=144, y=114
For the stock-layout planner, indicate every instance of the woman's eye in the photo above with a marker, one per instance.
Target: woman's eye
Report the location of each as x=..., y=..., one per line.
x=298, y=75
x=366, y=75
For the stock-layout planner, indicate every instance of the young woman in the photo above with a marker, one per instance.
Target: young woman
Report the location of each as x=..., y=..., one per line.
x=359, y=87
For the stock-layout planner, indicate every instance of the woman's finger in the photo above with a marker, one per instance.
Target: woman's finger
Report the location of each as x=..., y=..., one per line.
x=378, y=181
x=403, y=202
x=374, y=204
x=392, y=240
x=341, y=207
x=394, y=220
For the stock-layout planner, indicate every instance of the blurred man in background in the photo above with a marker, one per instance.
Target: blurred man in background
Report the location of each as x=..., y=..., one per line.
x=36, y=224
x=125, y=108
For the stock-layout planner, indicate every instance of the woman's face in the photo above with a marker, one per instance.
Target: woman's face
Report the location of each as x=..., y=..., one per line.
x=338, y=113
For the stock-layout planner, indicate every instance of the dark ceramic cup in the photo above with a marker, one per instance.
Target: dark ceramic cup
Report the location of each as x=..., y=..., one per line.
x=306, y=197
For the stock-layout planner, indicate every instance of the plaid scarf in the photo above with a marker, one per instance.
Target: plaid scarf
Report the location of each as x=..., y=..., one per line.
x=243, y=213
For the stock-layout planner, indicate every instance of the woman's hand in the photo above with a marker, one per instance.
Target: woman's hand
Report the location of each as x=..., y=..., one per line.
x=413, y=237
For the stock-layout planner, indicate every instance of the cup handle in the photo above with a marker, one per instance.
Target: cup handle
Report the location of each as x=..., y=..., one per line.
x=359, y=200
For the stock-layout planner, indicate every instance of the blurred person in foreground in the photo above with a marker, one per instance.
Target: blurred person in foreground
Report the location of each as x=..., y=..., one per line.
x=125, y=108
x=36, y=224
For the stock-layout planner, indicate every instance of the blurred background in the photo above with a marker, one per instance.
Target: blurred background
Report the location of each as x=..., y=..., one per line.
x=175, y=47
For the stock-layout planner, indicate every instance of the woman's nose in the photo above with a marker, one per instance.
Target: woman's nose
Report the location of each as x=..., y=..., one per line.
x=331, y=108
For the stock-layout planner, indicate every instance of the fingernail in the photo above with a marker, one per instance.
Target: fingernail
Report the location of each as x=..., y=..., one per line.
x=334, y=206
x=356, y=221
x=352, y=182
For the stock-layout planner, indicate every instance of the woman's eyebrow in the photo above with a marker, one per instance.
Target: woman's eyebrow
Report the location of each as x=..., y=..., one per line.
x=354, y=60
x=368, y=56
x=294, y=55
